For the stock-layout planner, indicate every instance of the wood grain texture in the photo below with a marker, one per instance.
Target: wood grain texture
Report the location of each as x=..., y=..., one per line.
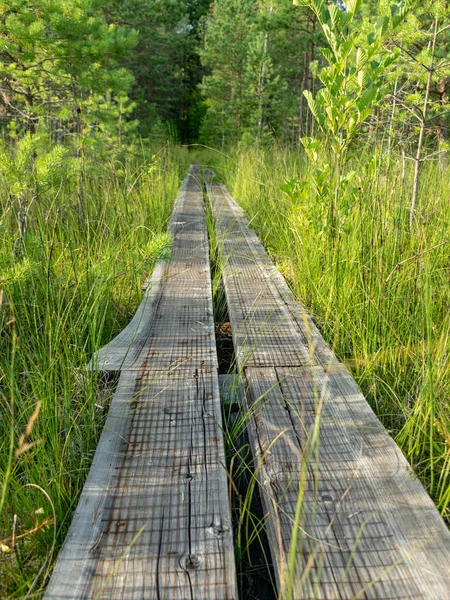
x=364, y=526
x=173, y=326
x=153, y=521
x=258, y=294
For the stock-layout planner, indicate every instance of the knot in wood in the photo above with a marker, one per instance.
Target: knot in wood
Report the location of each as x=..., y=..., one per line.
x=190, y=562
x=326, y=497
x=218, y=531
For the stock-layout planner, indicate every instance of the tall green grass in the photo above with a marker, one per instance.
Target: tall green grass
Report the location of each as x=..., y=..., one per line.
x=380, y=294
x=90, y=245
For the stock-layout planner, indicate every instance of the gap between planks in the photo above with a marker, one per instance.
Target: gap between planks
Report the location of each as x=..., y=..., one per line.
x=153, y=520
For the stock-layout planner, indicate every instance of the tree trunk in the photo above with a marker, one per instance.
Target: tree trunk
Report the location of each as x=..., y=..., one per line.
x=442, y=129
x=262, y=72
x=261, y=84
x=418, y=157
x=302, y=98
x=309, y=125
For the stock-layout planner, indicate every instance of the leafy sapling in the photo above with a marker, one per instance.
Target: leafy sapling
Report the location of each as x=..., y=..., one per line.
x=30, y=170
x=353, y=84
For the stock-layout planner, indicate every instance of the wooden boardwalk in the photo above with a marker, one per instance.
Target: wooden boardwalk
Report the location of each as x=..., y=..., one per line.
x=154, y=520
x=346, y=517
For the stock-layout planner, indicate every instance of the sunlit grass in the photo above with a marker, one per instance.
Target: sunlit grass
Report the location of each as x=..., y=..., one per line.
x=379, y=294
x=76, y=286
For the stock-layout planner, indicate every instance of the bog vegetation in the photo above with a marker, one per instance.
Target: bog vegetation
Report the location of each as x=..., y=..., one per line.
x=329, y=123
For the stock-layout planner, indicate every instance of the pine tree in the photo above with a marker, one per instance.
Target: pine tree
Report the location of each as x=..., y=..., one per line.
x=60, y=73
x=227, y=39
x=54, y=57
x=293, y=39
x=165, y=62
x=419, y=108
x=258, y=54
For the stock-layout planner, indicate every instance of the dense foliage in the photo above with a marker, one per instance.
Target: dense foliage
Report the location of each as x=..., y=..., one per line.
x=84, y=204
x=223, y=72
x=263, y=55
x=331, y=123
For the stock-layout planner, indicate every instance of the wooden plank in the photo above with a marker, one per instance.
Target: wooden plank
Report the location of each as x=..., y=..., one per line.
x=154, y=520
x=173, y=326
x=233, y=219
x=251, y=275
x=364, y=526
x=367, y=521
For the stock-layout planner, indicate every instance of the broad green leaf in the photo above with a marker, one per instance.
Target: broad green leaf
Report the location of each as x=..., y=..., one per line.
x=354, y=6
x=398, y=13
x=314, y=106
x=318, y=5
x=312, y=147
x=361, y=76
x=390, y=59
x=335, y=15
x=333, y=115
x=382, y=24
x=364, y=114
x=361, y=59
x=337, y=84
x=346, y=17
x=327, y=96
x=346, y=48
x=328, y=55
x=331, y=38
x=315, y=5
x=366, y=100
x=308, y=142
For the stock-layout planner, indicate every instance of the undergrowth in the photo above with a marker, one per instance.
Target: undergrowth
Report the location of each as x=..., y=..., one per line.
x=379, y=293
x=89, y=245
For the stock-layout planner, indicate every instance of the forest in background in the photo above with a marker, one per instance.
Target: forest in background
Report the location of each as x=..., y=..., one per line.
x=222, y=73
x=329, y=123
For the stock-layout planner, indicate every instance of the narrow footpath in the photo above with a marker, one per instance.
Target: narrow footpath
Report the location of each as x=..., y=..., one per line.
x=344, y=515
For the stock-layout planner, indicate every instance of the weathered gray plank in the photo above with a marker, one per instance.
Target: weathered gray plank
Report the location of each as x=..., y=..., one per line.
x=365, y=527
x=153, y=521
x=366, y=519
x=173, y=475
x=173, y=326
x=232, y=220
x=71, y=576
x=261, y=324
